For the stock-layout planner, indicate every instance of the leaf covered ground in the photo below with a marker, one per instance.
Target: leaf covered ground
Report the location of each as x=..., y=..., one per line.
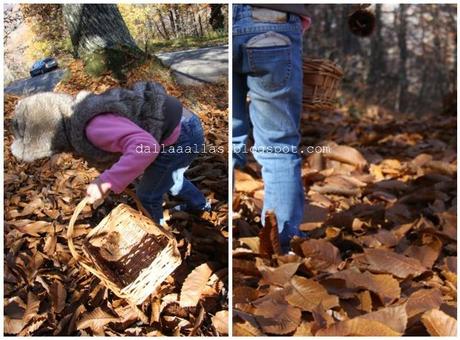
x=47, y=293
x=380, y=212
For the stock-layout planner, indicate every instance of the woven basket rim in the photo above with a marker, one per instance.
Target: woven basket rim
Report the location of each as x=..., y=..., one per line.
x=123, y=208
x=324, y=64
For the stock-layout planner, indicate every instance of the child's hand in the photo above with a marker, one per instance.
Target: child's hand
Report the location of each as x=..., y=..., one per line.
x=97, y=190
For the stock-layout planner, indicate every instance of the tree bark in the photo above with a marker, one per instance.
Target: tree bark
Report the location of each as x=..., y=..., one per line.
x=163, y=26
x=377, y=67
x=99, y=31
x=402, y=43
x=216, y=19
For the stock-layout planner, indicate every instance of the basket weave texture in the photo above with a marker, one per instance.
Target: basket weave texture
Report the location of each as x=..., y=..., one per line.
x=321, y=80
x=127, y=251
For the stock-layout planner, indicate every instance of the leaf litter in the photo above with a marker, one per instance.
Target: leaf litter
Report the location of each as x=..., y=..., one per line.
x=48, y=293
x=380, y=213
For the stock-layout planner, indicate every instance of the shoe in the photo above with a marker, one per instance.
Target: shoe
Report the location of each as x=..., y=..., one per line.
x=286, y=236
x=183, y=207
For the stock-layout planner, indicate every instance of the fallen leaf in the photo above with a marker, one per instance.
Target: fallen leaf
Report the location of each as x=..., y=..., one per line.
x=220, y=322
x=346, y=154
x=438, y=323
x=307, y=294
x=194, y=285
x=385, y=286
x=96, y=320
x=275, y=318
x=245, y=329
x=323, y=254
x=279, y=275
x=423, y=300
x=58, y=295
x=269, y=237
x=386, y=261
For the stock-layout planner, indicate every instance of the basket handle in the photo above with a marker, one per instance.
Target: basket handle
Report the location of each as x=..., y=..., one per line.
x=138, y=202
x=70, y=229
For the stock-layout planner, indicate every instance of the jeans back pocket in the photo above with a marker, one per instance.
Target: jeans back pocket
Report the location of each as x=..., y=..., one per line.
x=268, y=57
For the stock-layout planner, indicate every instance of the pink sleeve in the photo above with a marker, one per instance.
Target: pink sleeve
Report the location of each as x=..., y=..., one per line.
x=306, y=23
x=114, y=133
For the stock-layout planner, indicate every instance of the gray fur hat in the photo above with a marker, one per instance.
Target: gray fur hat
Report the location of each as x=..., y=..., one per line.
x=39, y=125
x=49, y=123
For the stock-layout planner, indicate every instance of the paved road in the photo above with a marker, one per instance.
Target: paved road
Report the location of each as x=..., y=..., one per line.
x=42, y=83
x=190, y=67
x=203, y=65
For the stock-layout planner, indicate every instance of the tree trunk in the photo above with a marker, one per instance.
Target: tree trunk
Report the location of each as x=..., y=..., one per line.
x=402, y=43
x=163, y=25
x=100, y=37
x=216, y=19
x=377, y=67
x=201, y=25
x=173, y=23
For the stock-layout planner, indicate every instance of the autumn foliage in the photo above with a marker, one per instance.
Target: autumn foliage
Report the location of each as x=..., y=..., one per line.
x=381, y=255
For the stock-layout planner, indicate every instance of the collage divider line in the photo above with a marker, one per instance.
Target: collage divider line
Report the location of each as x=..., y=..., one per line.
x=230, y=169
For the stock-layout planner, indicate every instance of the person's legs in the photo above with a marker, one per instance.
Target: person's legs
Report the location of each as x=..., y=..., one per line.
x=273, y=64
x=166, y=174
x=240, y=120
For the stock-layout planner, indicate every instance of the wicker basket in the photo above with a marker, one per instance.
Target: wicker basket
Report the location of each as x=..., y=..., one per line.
x=129, y=253
x=321, y=79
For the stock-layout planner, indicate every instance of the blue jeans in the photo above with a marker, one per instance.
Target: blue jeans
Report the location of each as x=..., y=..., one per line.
x=272, y=78
x=166, y=173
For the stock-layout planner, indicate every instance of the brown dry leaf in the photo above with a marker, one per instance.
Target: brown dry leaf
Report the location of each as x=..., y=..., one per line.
x=389, y=321
x=346, y=154
x=35, y=324
x=246, y=183
x=245, y=329
x=358, y=327
x=304, y=329
x=423, y=300
x=276, y=318
x=387, y=261
x=12, y=326
x=58, y=295
x=393, y=317
x=307, y=294
x=194, y=285
x=245, y=267
x=428, y=253
x=244, y=294
x=96, y=320
x=269, y=237
x=451, y=263
x=35, y=228
x=33, y=304
x=220, y=322
x=385, y=286
x=276, y=276
x=365, y=301
x=438, y=323
x=31, y=206
x=252, y=243
x=323, y=254
x=314, y=217
x=50, y=244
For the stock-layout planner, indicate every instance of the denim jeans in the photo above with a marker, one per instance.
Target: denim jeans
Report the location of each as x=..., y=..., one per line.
x=166, y=173
x=271, y=76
